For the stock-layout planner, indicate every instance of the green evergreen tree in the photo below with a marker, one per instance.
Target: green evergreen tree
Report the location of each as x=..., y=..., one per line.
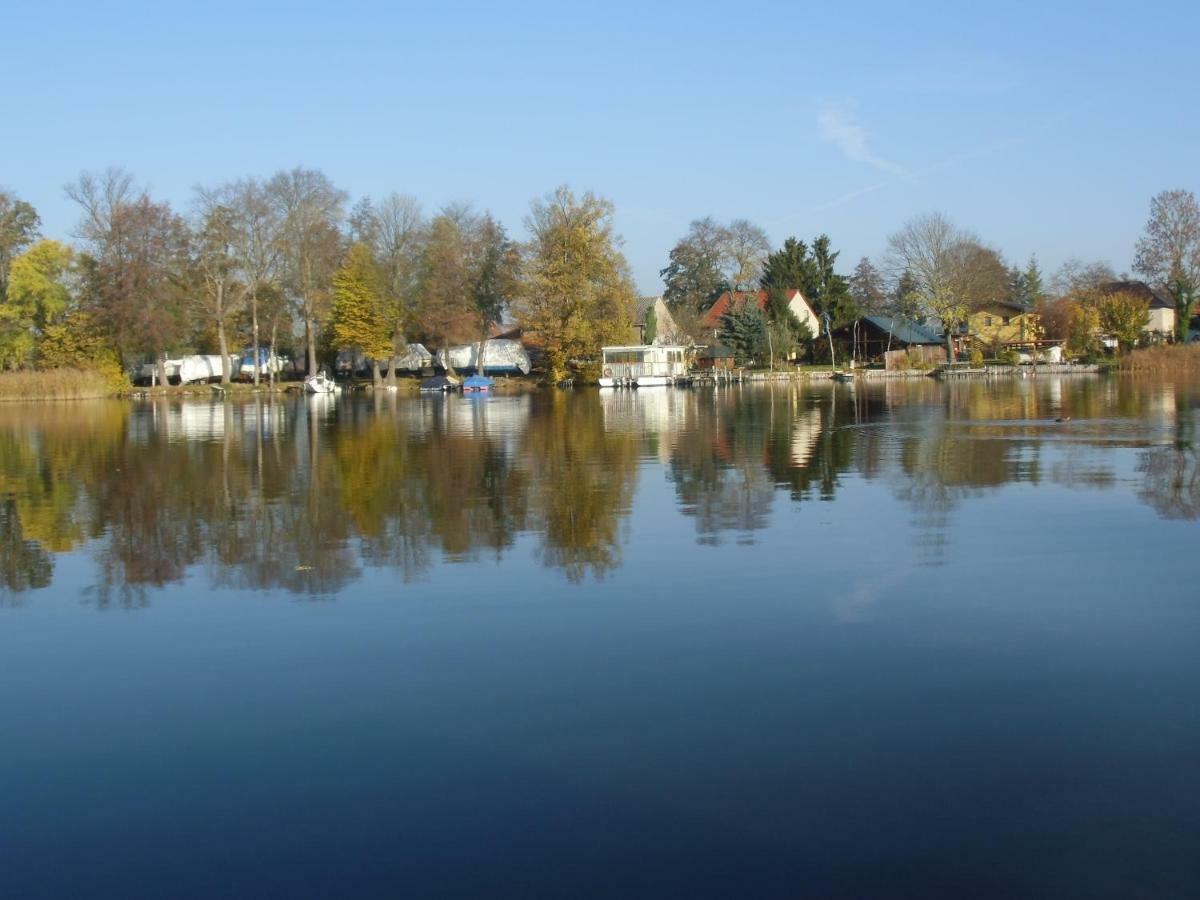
x=651, y=330
x=831, y=294
x=1035, y=290
x=1017, y=289
x=744, y=331
x=791, y=266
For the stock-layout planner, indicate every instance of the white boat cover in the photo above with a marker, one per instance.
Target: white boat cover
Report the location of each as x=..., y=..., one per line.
x=150, y=369
x=499, y=356
x=202, y=368
x=415, y=358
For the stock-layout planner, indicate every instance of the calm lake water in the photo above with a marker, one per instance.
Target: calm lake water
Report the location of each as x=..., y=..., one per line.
x=906, y=640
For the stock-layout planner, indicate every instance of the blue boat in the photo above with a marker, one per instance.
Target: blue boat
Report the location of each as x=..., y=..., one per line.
x=477, y=384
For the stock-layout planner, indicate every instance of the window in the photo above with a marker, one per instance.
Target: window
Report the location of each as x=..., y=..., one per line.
x=1007, y=319
x=623, y=356
x=987, y=320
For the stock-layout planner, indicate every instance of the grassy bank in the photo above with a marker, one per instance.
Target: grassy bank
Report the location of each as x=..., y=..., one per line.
x=55, y=384
x=1174, y=359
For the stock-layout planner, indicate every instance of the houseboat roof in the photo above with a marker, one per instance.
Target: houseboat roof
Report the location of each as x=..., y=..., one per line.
x=644, y=347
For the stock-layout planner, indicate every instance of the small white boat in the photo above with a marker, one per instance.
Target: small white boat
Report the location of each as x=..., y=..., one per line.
x=321, y=384
x=653, y=381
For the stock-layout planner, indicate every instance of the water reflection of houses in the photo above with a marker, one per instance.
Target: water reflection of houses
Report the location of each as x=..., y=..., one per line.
x=493, y=416
x=191, y=421
x=655, y=414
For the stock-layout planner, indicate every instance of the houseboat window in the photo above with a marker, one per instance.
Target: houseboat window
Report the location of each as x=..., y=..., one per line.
x=623, y=356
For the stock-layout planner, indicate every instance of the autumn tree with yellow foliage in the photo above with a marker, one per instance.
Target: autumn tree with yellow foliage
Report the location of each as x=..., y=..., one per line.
x=360, y=320
x=577, y=293
x=37, y=296
x=1125, y=316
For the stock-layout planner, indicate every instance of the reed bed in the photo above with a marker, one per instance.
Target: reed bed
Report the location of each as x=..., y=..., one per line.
x=55, y=384
x=1173, y=359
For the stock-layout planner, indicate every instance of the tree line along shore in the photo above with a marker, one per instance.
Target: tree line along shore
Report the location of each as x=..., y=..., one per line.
x=287, y=263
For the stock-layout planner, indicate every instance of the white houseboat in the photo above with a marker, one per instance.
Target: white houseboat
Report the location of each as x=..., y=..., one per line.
x=645, y=365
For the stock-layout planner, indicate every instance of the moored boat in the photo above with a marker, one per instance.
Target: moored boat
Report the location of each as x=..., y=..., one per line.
x=653, y=381
x=321, y=384
x=477, y=384
x=439, y=384
x=643, y=365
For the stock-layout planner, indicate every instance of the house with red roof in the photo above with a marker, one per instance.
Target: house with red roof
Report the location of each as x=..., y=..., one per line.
x=736, y=300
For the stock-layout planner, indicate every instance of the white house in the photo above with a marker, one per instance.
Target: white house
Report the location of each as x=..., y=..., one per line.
x=1162, y=307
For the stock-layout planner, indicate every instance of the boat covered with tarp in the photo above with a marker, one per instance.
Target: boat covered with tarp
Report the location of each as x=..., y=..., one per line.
x=500, y=357
x=477, y=384
x=205, y=368
x=415, y=359
x=440, y=384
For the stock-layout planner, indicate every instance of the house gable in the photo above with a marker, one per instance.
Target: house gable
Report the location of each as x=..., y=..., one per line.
x=1002, y=322
x=666, y=330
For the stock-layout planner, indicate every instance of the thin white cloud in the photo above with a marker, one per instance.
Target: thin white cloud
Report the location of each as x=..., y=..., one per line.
x=839, y=126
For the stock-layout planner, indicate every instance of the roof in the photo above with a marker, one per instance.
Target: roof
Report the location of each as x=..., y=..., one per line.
x=904, y=330
x=1156, y=297
x=1018, y=308
x=736, y=300
x=717, y=351
x=642, y=306
x=507, y=331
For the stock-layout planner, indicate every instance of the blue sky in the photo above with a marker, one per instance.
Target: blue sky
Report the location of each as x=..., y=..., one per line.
x=1041, y=127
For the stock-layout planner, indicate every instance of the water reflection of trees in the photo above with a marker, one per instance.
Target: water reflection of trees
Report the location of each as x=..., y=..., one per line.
x=288, y=494
x=1171, y=474
x=734, y=450
x=23, y=563
x=306, y=496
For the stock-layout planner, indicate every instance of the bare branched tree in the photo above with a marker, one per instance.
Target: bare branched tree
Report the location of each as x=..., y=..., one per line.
x=99, y=196
x=310, y=210
x=1169, y=251
x=140, y=254
x=948, y=270
x=712, y=258
x=255, y=236
x=747, y=249
x=1075, y=278
x=215, y=258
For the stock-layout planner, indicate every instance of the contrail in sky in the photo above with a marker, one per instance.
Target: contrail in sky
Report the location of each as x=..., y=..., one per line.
x=839, y=126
